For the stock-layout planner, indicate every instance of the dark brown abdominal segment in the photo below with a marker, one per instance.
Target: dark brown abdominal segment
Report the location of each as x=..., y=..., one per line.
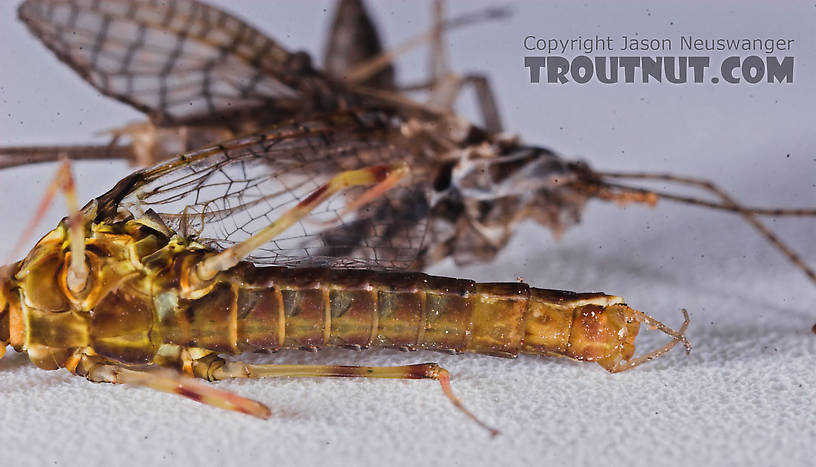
x=362, y=309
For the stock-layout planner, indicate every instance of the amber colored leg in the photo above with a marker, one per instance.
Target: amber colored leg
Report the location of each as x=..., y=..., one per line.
x=438, y=66
x=99, y=370
x=63, y=181
x=365, y=70
x=486, y=100
x=215, y=368
x=448, y=88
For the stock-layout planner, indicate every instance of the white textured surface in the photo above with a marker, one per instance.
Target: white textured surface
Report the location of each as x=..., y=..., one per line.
x=743, y=397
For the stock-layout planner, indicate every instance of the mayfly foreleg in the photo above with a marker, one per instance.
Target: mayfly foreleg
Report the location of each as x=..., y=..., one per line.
x=39, y=213
x=215, y=368
x=438, y=63
x=486, y=100
x=77, y=276
x=446, y=86
x=363, y=71
x=453, y=87
x=99, y=370
x=450, y=87
x=64, y=181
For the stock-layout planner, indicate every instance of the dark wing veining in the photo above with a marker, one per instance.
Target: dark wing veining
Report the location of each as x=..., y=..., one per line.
x=223, y=194
x=176, y=60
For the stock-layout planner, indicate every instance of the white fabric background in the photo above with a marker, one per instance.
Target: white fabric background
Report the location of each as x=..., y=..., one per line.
x=743, y=397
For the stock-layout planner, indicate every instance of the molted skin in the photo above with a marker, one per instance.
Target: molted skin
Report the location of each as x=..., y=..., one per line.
x=143, y=302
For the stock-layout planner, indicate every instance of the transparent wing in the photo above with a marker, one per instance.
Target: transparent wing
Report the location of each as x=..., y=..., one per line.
x=223, y=194
x=176, y=60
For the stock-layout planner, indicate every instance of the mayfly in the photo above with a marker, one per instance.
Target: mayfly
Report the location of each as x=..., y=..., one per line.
x=284, y=240
x=299, y=236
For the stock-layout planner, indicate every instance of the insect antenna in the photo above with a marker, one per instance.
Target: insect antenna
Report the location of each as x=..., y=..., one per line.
x=597, y=185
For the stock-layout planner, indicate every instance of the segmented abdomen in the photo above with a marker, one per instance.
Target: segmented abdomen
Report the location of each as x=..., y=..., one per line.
x=274, y=308
x=281, y=308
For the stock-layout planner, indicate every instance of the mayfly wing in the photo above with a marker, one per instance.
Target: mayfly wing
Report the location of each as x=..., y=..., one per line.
x=179, y=61
x=352, y=41
x=221, y=195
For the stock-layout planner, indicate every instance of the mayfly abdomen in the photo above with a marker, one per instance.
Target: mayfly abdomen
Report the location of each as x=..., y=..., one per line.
x=274, y=308
x=281, y=308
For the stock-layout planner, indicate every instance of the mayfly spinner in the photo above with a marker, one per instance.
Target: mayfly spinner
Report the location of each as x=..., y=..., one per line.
x=299, y=236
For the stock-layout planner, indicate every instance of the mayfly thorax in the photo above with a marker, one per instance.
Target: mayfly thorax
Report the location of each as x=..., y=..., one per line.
x=301, y=235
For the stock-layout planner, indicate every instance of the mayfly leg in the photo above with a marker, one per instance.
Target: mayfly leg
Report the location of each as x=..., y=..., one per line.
x=456, y=84
x=46, y=202
x=13, y=156
x=98, y=370
x=443, y=85
x=367, y=69
x=446, y=86
x=438, y=65
x=215, y=368
x=382, y=179
x=63, y=181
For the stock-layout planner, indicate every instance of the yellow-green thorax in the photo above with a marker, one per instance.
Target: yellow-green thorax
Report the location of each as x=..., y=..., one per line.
x=114, y=314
